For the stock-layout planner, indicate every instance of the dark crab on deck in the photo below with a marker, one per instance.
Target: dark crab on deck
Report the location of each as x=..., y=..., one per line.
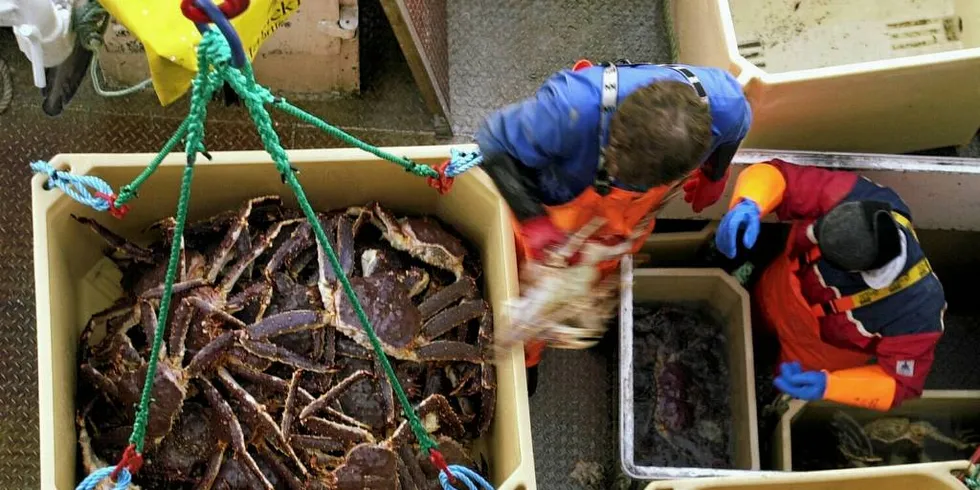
x=266, y=379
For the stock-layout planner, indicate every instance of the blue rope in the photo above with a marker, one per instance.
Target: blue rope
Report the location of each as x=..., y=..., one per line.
x=76, y=186
x=461, y=161
x=93, y=480
x=465, y=475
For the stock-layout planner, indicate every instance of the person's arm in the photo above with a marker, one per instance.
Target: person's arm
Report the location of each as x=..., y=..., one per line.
x=792, y=191
x=520, y=138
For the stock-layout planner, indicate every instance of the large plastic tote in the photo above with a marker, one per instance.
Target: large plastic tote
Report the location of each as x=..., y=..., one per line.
x=891, y=76
x=722, y=294
x=68, y=263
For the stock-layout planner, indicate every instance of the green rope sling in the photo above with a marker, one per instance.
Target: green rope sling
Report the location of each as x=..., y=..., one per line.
x=214, y=69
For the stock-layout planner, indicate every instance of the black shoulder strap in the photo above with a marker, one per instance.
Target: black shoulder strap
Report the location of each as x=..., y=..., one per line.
x=610, y=96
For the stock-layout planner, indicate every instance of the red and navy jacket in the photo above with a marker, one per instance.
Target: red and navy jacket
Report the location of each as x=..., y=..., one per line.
x=901, y=331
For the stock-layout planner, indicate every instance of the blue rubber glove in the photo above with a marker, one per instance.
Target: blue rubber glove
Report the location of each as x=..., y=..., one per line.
x=804, y=385
x=745, y=214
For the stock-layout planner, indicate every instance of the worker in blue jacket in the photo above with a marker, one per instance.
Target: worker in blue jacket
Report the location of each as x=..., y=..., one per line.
x=611, y=141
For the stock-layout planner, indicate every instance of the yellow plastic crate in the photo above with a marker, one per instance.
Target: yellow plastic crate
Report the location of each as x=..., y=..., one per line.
x=843, y=75
x=66, y=255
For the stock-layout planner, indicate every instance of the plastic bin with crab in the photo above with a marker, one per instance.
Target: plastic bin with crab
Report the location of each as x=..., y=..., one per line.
x=75, y=280
x=892, y=450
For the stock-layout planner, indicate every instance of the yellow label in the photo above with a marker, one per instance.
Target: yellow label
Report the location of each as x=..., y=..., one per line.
x=170, y=38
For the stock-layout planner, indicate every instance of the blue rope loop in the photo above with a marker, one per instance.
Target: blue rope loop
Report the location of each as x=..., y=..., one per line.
x=76, y=186
x=92, y=481
x=461, y=161
x=466, y=476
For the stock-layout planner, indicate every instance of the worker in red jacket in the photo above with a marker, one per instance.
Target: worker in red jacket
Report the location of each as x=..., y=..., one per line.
x=611, y=141
x=852, y=299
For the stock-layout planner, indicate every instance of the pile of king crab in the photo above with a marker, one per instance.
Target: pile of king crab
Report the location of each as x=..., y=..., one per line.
x=266, y=378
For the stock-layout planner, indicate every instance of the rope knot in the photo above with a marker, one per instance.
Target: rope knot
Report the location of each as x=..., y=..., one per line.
x=442, y=183
x=110, y=199
x=130, y=460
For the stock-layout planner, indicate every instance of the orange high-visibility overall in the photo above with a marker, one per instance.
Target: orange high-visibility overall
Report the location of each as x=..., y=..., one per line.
x=780, y=302
x=623, y=210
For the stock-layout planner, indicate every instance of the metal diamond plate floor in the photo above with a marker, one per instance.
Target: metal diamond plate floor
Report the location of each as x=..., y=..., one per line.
x=499, y=52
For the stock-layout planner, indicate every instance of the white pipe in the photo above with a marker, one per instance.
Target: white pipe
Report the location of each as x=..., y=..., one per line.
x=43, y=32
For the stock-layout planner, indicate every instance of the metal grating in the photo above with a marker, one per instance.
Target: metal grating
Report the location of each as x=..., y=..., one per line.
x=421, y=29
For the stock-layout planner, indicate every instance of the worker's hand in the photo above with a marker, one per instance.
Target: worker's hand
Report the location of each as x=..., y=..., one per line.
x=804, y=385
x=745, y=214
x=540, y=234
x=701, y=192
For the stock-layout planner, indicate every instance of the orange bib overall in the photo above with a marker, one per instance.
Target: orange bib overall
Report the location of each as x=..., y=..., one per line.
x=779, y=300
x=622, y=210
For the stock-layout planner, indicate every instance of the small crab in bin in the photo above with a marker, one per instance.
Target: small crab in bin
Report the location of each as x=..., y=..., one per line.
x=565, y=304
x=266, y=379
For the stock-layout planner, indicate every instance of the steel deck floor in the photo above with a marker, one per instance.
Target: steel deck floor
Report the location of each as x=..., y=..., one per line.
x=499, y=53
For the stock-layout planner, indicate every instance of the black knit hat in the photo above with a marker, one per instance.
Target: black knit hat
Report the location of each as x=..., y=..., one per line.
x=858, y=235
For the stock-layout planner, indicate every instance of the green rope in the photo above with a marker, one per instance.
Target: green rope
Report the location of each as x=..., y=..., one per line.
x=253, y=99
x=410, y=166
x=194, y=123
x=129, y=191
x=89, y=22
x=214, y=53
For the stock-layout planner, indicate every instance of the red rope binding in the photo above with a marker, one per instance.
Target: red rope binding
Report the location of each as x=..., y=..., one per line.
x=442, y=184
x=231, y=9
x=118, y=213
x=440, y=463
x=130, y=460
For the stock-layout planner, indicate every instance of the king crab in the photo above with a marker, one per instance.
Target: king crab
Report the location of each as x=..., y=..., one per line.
x=266, y=378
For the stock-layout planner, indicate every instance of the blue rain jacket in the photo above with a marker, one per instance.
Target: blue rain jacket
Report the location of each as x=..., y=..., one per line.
x=556, y=132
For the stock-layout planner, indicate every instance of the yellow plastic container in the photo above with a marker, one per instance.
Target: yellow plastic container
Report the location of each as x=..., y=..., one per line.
x=928, y=476
x=954, y=403
x=891, y=76
x=66, y=254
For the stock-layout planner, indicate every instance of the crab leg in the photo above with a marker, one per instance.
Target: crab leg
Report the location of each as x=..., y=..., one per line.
x=325, y=399
x=290, y=408
x=415, y=477
x=102, y=383
x=255, y=291
x=179, y=288
x=230, y=422
x=273, y=352
x=349, y=435
x=281, y=470
x=451, y=318
x=299, y=240
x=301, y=261
x=320, y=443
x=259, y=416
x=210, y=354
x=406, y=480
x=449, y=350
x=387, y=396
x=337, y=414
x=463, y=288
x=118, y=243
x=211, y=309
x=432, y=411
x=287, y=322
x=238, y=225
x=345, y=244
x=488, y=373
x=214, y=466
x=263, y=243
